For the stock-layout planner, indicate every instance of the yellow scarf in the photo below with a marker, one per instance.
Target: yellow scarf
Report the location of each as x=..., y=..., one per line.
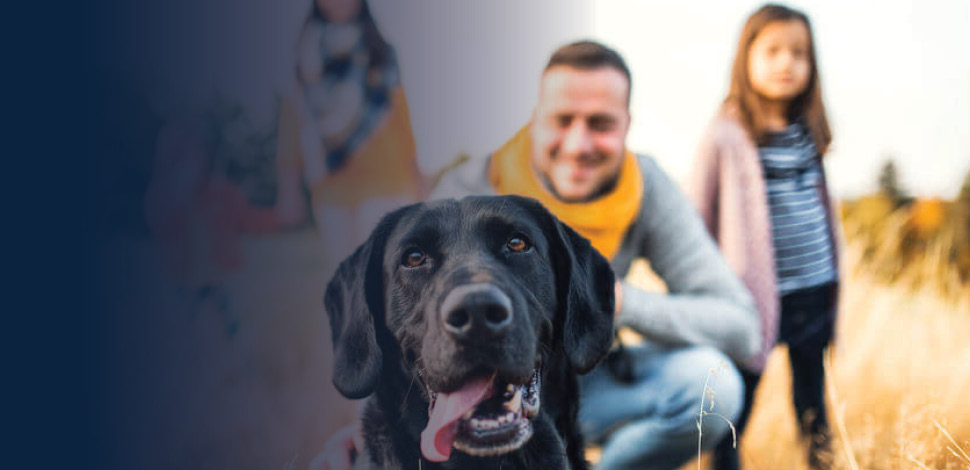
x=603, y=221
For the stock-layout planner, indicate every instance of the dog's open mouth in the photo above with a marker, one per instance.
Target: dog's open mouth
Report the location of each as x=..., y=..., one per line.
x=486, y=416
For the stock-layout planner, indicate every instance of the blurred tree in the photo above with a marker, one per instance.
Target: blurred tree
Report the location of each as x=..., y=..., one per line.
x=889, y=184
x=964, y=196
x=961, y=236
x=961, y=213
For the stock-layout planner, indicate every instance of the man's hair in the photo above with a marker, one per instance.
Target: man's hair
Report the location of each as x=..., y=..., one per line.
x=590, y=55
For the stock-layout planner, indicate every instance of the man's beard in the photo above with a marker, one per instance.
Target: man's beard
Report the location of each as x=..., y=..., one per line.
x=604, y=188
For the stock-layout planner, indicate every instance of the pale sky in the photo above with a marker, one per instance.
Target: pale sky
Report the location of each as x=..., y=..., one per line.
x=895, y=73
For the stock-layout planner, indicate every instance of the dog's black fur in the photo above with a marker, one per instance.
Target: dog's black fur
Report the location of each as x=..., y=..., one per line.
x=390, y=342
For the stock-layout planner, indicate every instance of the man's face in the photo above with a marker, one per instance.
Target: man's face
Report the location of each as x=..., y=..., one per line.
x=579, y=130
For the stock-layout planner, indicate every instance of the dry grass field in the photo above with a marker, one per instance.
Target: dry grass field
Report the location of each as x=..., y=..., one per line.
x=898, y=390
x=899, y=371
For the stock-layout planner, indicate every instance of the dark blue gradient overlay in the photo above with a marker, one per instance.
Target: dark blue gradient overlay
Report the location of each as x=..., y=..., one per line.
x=231, y=369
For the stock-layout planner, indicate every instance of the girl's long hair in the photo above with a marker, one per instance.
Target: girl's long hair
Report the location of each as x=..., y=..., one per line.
x=748, y=104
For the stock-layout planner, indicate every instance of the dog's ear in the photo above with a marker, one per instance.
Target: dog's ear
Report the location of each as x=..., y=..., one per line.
x=585, y=292
x=354, y=301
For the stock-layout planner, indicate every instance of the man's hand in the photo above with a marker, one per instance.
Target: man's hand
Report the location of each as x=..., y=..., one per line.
x=618, y=289
x=340, y=450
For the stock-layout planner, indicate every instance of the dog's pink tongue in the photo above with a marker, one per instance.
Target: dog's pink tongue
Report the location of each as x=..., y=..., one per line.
x=436, y=439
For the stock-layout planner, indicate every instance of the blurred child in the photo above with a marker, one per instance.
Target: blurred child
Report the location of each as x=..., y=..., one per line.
x=758, y=182
x=344, y=129
x=196, y=216
x=345, y=134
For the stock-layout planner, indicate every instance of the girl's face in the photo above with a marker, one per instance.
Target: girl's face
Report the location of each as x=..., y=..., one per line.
x=778, y=60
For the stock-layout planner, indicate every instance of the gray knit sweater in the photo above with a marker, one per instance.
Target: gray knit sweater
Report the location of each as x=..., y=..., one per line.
x=706, y=304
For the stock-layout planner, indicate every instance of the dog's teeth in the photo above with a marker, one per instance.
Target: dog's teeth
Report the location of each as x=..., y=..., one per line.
x=475, y=422
x=469, y=414
x=501, y=419
x=510, y=388
x=515, y=404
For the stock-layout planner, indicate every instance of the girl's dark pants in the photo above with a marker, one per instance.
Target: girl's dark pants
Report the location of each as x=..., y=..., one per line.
x=806, y=326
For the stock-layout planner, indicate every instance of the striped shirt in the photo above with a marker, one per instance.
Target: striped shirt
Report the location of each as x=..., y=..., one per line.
x=799, y=225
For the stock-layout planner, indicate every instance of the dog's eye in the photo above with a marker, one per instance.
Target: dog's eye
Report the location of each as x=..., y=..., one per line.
x=518, y=244
x=414, y=258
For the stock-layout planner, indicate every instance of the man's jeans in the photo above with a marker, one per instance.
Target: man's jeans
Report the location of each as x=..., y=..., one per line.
x=651, y=423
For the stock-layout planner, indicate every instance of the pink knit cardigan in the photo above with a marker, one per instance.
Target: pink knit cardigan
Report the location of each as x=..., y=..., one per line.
x=728, y=188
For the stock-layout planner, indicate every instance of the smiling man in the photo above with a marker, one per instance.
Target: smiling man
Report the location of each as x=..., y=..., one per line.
x=572, y=157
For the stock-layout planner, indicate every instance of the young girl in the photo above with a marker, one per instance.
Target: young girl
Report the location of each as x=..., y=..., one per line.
x=344, y=129
x=758, y=182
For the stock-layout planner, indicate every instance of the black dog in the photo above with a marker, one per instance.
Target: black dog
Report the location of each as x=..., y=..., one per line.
x=468, y=321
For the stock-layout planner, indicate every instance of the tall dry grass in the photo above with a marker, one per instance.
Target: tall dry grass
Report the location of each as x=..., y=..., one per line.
x=898, y=384
x=898, y=374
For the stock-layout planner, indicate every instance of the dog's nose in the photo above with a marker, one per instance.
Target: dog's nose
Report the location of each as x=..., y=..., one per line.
x=475, y=311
